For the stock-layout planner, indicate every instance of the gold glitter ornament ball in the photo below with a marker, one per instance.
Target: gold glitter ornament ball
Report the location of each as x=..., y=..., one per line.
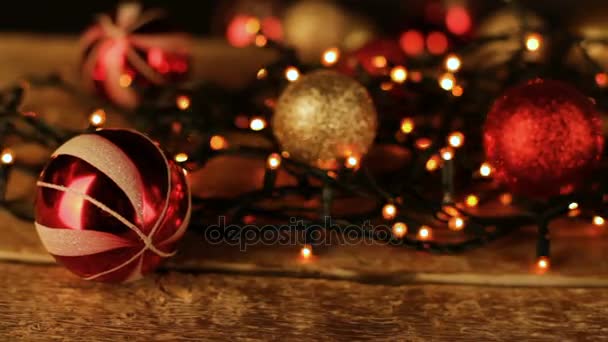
x=324, y=118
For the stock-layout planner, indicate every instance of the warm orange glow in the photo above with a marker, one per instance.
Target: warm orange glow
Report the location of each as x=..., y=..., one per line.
x=183, y=102
x=450, y=210
x=218, y=142
x=125, y=80
x=181, y=157
x=262, y=74
x=533, y=41
x=379, y=62
x=485, y=170
x=407, y=125
x=433, y=163
x=389, y=211
x=425, y=233
x=399, y=229
x=506, y=198
x=292, y=74
x=456, y=223
x=601, y=79
x=386, y=86
x=257, y=124
x=285, y=154
x=543, y=264
x=352, y=162
x=416, y=76
x=72, y=203
x=274, y=161
x=471, y=201
x=330, y=57
x=452, y=63
x=437, y=43
x=97, y=118
x=457, y=91
x=424, y=143
x=306, y=252
x=599, y=221
x=456, y=139
x=252, y=26
x=399, y=74
x=447, y=153
x=260, y=40
x=7, y=157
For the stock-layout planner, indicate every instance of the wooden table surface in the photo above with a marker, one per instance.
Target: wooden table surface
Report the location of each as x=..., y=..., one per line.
x=267, y=293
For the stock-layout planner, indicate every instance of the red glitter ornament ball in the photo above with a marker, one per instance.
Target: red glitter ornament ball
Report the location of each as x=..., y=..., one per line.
x=543, y=138
x=132, y=51
x=110, y=206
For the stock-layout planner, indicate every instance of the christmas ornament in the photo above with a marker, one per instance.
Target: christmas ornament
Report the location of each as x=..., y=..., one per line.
x=513, y=27
x=376, y=57
x=132, y=51
x=110, y=206
x=543, y=138
x=312, y=26
x=325, y=117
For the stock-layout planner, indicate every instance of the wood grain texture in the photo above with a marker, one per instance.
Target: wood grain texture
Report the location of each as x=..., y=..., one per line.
x=46, y=303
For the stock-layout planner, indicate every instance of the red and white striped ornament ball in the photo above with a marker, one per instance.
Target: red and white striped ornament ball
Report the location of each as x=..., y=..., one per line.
x=110, y=206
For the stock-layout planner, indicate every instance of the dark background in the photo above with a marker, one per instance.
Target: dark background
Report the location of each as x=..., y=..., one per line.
x=62, y=16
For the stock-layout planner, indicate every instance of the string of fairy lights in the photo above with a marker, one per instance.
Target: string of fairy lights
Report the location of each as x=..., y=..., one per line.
x=398, y=209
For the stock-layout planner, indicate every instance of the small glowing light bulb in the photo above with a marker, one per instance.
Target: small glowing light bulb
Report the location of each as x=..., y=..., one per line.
x=453, y=63
x=7, y=157
x=506, y=198
x=471, y=201
x=598, y=221
x=262, y=74
x=425, y=233
x=125, y=80
x=306, y=252
x=533, y=41
x=181, y=157
x=183, y=102
x=260, y=40
x=456, y=139
x=257, y=124
x=573, y=206
x=330, y=57
x=399, y=74
x=457, y=91
x=407, y=125
x=423, y=143
x=292, y=74
x=485, y=170
x=433, y=163
x=447, y=81
x=273, y=161
x=399, y=229
x=543, y=264
x=389, y=211
x=601, y=79
x=253, y=25
x=456, y=223
x=379, y=62
x=218, y=142
x=97, y=118
x=447, y=153
x=352, y=162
